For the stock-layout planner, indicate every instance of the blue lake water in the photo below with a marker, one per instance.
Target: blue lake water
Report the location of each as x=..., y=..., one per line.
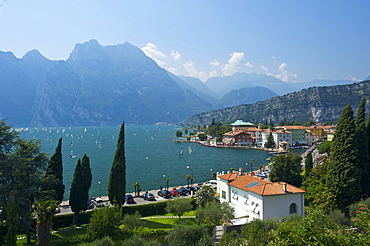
x=150, y=151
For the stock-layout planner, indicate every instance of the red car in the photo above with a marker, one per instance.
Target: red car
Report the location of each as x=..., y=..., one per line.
x=174, y=192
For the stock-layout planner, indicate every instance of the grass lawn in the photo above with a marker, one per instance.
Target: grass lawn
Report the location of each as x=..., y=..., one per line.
x=160, y=222
x=54, y=236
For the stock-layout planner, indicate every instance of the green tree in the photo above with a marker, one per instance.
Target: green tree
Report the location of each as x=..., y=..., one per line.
x=188, y=178
x=132, y=221
x=11, y=220
x=204, y=195
x=325, y=147
x=287, y=168
x=178, y=133
x=215, y=213
x=104, y=222
x=362, y=149
x=117, y=177
x=178, y=206
x=54, y=171
x=202, y=136
x=80, y=186
x=44, y=213
x=308, y=164
x=137, y=188
x=257, y=232
x=270, y=143
x=343, y=176
x=21, y=173
x=193, y=235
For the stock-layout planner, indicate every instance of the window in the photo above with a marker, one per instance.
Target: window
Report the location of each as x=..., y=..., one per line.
x=224, y=194
x=293, y=208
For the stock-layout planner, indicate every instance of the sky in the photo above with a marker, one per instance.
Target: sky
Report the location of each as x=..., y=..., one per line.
x=295, y=41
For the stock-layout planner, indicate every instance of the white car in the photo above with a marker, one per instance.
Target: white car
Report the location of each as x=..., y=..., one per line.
x=99, y=202
x=212, y=183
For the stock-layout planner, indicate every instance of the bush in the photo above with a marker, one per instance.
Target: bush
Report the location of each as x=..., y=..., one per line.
x=66, y=220
x=146, y=209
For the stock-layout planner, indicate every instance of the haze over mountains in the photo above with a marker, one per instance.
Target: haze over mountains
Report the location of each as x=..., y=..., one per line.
x=105, y=85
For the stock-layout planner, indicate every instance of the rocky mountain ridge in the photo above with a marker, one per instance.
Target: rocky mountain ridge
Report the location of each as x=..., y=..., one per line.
x=319, y=104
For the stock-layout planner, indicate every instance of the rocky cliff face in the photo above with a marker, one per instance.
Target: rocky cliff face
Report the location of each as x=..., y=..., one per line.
x=319, y=104
x=105, y=85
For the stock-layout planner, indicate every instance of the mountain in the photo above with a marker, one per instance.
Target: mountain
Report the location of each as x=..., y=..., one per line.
x=105, y=85
x=244, y=96
x=319, y=104
x=320, y=82
x=96, y=85
x=223, y=85
x=197, y=84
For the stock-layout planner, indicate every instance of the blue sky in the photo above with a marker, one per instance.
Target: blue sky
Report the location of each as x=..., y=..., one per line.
x=295, y=41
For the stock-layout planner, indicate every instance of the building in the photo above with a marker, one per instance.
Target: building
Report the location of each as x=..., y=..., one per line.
x=298, y=134
x=279, y=135
x=239, y=137
x=240, y=125
x=255, y=198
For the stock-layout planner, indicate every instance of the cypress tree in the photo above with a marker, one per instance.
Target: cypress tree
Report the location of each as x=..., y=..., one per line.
x=80, y=186
x=270, y=143
x=53, y=187
x=117, y=177
x=308, y=164
x=343, y=173
x=362, y=148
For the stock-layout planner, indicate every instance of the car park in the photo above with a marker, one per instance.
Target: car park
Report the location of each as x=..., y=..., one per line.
x=149, y=197
x=164, y=193
x=130, y=199
x=196, y=188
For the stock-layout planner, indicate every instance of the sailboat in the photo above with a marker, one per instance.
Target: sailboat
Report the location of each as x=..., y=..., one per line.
x=190, y=150
x=72, y=155
x=181, y=152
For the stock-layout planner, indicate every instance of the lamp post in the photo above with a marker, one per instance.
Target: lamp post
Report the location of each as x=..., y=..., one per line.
x=192, y=174
x=99, y=182
x=164, y=176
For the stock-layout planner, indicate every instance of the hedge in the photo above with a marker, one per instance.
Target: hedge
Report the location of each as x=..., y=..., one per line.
x=66, y=220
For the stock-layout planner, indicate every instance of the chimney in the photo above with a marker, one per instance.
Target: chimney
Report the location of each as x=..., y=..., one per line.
x=240, y=171
x=284, y=188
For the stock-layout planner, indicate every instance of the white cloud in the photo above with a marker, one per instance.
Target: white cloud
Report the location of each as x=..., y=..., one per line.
x=284, y=74
x=192, y=71
x=213, y=73
x=233, y=64
x=215, y=63
x=153, y=52
x=264, y=68
x=248, y=64
x=173, y=70
x=175, y=55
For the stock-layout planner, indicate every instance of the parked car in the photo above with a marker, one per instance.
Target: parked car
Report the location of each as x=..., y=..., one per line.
x=130, y=199
x=183, y=191
x=149, y=197
x=212, y=183
x=99, y=202
x=190, y=189
x=174, y=192
x=196, y=188
x=164, y=193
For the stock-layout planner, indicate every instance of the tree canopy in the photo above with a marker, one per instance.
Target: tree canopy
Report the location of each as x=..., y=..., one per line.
x=287, y=168
x=117, y=177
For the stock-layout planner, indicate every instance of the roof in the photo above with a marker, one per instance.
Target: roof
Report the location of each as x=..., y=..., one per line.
x=259, y=186
x=234, y=133
x=241, y=123
x=295, y=127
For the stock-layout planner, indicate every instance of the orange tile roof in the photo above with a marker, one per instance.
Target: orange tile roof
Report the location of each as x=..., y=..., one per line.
x=295, y=127
x=259, y=186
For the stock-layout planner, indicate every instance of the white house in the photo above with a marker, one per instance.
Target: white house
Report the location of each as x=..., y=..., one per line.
x=255, y=198
x=279, y=135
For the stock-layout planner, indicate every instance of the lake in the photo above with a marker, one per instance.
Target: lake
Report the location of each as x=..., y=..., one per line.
x=151, y=155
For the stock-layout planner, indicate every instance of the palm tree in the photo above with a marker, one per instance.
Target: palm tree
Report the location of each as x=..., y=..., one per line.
x=167, y=180
x=188, y=177
x=137, y=188
x=44, y=213
x=251, y=162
